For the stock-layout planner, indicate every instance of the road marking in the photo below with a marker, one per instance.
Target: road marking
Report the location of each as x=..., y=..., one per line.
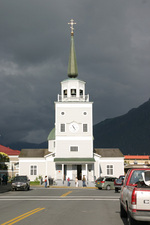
x=64, y=195
x=56, y=196
x=23, y=216
x=63, y=199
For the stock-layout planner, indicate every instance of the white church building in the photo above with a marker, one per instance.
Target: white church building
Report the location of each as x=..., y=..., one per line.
x=70, y=150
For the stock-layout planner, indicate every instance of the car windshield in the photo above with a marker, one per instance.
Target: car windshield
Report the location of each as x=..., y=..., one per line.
x=20, y=178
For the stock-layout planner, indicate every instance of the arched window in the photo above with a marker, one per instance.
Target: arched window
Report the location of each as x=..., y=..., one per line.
x=73, y=92
x=65, y=92
x=81, y=93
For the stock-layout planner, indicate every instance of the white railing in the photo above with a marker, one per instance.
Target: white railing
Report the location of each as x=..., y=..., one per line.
x=81, y=98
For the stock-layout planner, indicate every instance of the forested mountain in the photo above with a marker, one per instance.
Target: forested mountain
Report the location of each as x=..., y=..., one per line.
x=129, y=132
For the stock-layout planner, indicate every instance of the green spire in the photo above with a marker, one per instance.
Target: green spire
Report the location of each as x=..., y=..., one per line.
x=72, y=65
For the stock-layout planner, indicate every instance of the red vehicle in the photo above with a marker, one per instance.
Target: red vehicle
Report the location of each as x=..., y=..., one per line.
x=118, y=183
x=135, y=196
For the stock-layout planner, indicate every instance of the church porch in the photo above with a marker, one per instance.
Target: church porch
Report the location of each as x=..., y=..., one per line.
x=74, y=167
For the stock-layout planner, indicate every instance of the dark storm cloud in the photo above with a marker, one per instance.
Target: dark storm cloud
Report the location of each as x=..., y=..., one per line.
x=112, y=41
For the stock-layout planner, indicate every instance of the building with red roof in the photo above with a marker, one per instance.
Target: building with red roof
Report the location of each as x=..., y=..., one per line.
x=13, y=164
x=136, y=157
x=133, y=161
x=9, y=151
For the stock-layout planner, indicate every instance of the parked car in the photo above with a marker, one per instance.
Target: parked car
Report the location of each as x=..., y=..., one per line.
x=20, y=183
x=105, y=183
x=118, y=183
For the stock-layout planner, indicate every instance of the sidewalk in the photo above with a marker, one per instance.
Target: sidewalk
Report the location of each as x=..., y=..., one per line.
x=59, y=184
x=5, y=188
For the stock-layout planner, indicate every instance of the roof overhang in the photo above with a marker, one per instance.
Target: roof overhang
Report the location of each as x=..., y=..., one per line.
x=74, y=160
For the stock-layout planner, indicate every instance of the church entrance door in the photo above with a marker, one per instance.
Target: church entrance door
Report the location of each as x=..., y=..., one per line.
x=79, y=172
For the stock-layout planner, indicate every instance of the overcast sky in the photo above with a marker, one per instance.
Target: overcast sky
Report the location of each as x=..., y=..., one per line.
x=112, y=42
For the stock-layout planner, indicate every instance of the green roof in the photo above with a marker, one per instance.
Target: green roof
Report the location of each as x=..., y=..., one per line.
x=51, y=135
x=74, y=160
x=72, y=65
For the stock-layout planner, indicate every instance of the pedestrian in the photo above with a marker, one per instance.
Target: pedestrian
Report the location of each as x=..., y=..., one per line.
x=83, y=181
x=68, y=181
x=76, y=182
x=45, y=181
x=4, y=180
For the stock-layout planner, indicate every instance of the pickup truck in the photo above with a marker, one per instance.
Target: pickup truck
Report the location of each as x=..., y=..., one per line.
x=135, y=196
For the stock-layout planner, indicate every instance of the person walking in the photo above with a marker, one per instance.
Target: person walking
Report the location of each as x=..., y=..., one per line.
x=83, y=181
x=68, y=181
x=76, y=182
x=45, y=181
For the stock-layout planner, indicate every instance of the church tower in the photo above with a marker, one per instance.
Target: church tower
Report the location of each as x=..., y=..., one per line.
x=72, y=138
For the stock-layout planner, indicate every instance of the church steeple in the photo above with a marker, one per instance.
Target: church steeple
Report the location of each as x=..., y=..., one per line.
x=72, y=65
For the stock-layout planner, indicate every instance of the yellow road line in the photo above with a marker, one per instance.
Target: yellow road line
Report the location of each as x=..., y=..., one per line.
x=20, y=216
x=64, y=195
x=16, y=219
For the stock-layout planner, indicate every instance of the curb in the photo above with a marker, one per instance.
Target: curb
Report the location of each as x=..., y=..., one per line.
x=72, y=187
x=66, y=187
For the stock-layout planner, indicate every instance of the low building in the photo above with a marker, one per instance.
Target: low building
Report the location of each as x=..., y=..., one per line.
x=37, y=163
x=136, y=161
x=13, y=164
x=109, y=162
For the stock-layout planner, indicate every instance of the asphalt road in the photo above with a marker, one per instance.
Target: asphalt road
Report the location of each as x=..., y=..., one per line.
x=60, y=207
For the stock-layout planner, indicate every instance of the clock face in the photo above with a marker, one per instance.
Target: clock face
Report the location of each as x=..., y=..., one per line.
x=73, y=127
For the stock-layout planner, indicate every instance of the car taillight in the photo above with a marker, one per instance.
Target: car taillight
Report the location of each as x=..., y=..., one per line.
x=102, y=182
x=133, y=197
x=96, y=181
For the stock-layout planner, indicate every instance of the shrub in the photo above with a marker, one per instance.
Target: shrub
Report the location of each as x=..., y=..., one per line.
x=4, y=157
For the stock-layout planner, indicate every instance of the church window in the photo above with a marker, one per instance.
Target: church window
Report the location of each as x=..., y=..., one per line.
x=81, y=92
x=65, y=92
x=109, y=169
x=33, y=170
x=84, y=127
x=74, y=148
x=73, y=92
x=62, y=127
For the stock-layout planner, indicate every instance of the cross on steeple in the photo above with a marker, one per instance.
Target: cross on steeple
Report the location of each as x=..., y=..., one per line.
x=72, y=23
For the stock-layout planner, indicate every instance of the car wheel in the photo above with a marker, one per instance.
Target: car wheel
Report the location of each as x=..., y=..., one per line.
x=123, y=213
x=116, y=190
x=99, y=188
x=130, y=220
x=26, y=188
x=108, y=187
